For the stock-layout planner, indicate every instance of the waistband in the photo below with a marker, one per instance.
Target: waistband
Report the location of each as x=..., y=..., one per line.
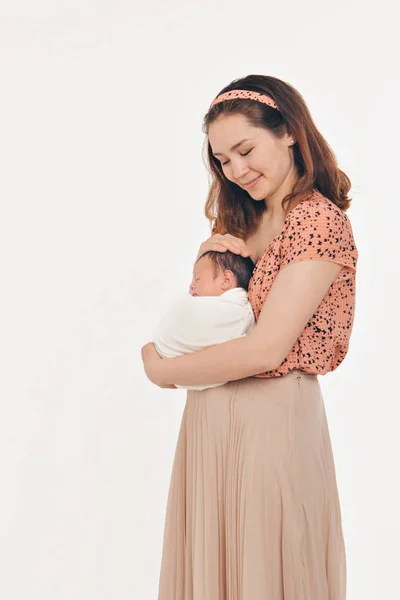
x=300, y=373
x=293, y=373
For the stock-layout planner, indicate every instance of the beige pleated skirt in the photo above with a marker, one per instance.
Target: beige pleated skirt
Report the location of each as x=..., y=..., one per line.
x=253, y=509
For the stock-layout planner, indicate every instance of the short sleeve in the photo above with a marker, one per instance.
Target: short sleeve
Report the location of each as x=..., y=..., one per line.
x=319, y=231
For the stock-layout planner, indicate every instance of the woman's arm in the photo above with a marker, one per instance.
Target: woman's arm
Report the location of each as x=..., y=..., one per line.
x=294, y=297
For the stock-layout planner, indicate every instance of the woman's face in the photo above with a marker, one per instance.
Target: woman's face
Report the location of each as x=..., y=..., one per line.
x=262, y=156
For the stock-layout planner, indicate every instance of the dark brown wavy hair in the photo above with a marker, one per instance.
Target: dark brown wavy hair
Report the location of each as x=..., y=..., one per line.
x=229, y=208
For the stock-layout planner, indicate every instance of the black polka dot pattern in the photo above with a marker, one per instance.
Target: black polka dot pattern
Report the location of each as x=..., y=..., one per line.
x=316, y=229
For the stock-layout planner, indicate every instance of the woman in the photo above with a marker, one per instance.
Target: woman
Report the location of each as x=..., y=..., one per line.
x=253, y=509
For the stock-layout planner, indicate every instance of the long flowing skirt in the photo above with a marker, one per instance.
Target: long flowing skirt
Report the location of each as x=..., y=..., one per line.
x=253, y=510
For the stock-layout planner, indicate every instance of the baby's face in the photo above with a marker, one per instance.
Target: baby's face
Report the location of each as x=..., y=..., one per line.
x=203, y=282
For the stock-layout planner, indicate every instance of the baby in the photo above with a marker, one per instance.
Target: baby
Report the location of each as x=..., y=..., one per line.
x=215, y=310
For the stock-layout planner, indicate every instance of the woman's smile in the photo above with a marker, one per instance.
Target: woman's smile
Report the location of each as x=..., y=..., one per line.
x=252, y=183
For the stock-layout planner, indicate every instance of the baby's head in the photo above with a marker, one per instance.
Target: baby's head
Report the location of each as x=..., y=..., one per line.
x=217, y=272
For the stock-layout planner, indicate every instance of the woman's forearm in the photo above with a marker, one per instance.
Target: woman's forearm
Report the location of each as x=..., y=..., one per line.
x=223, y=362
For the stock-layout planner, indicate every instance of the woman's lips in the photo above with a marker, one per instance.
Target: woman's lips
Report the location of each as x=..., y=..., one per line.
x=248, y=185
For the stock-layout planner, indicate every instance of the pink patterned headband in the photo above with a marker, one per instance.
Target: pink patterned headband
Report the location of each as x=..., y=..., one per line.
x=247, y=95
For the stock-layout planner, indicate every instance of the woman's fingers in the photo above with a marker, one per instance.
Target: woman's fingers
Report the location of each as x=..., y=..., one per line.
x=222, y=247
x=229, y=242
x=238, y=248
x=223, y=242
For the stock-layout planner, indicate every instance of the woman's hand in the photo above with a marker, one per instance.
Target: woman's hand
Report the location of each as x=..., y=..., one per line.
x=221, y=242
x=152, y=363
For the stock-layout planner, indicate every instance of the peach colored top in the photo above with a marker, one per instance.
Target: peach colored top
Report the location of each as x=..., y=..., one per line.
x=315, y=229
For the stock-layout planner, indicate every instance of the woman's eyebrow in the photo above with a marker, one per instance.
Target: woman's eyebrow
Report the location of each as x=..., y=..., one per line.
x=234, y=146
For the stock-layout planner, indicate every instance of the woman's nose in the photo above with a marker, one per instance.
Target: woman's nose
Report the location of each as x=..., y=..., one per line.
x=239, y=169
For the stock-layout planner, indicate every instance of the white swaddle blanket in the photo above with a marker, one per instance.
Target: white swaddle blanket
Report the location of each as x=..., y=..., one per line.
x=195, y=322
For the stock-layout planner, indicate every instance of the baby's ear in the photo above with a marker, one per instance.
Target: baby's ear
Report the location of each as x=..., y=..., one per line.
x=229, y=276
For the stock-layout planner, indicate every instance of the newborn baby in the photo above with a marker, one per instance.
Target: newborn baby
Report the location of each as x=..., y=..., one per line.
x=215, y=310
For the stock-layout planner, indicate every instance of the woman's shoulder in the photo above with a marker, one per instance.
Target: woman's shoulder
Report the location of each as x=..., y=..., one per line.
x=318, y=228
x=317, y=206
x=316, y=212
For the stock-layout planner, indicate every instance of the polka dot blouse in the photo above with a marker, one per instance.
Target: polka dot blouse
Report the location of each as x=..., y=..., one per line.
x=315, y=229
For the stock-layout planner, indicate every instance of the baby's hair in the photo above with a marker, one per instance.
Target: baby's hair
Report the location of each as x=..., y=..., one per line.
x=242, y=267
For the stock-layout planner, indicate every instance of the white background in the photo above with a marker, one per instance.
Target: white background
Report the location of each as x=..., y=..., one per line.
x=102, y=192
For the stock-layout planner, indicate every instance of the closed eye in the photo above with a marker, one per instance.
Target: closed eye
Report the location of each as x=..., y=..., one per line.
x=245, y=154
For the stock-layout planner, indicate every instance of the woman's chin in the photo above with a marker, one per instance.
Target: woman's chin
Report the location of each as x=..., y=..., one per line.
x=257, y=195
